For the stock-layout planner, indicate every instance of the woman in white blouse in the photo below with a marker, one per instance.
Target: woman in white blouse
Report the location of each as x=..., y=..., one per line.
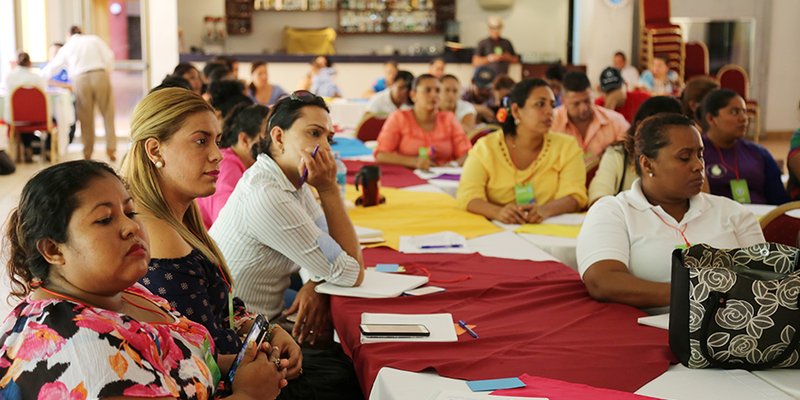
x=624, y=248
x=272, y=225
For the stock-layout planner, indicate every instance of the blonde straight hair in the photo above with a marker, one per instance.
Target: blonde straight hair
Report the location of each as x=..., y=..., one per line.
x=159, y=115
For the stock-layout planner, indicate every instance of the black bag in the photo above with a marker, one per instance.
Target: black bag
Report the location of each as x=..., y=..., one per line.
x=737, y=308
x=6, y=165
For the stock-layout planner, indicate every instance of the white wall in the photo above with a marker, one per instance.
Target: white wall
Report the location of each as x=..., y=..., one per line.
x=8, y=38
x=783, y=69
x=160, y=23
x=599, y=38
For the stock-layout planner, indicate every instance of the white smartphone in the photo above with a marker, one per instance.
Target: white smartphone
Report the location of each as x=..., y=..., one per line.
x=423, y=290
x=394, y=330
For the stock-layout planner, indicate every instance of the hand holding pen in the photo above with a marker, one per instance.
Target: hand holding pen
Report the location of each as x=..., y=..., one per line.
x=318, y=168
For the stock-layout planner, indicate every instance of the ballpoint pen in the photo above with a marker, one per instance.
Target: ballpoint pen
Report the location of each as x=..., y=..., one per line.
x=469, y=330
x=441, y=246
x=305, y=170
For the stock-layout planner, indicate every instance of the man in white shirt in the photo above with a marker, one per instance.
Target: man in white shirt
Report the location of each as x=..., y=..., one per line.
x=23, y=76
x=89, y=61
x=629, y=74
x=392, y=98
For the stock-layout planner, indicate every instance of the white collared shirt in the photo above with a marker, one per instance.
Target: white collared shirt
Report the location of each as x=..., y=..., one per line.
x=381, y=103
x=627, y=228
x=80, y=54
x=267, y=230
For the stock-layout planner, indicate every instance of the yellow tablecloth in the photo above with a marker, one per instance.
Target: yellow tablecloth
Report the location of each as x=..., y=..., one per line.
x=416, y=213
x=565, y=231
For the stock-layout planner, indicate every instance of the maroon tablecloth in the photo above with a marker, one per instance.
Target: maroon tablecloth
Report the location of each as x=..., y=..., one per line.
x=532, y=317
x=393, y=176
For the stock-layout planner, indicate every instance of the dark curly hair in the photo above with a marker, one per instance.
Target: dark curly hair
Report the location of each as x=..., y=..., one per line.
x=44, y=211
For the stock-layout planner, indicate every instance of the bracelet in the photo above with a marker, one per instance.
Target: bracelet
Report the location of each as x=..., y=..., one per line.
x=269, y=332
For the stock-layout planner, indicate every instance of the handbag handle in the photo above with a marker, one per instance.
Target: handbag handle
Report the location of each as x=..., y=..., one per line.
x=717, y=301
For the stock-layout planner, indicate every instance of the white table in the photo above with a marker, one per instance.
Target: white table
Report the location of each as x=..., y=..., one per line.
x=62, y=108
x=347, y=113
x=678, y=383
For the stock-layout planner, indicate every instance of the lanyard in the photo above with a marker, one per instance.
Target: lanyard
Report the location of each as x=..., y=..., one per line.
x=735, y=160
x=230, y=296
x=680, y=231
x=157, y=311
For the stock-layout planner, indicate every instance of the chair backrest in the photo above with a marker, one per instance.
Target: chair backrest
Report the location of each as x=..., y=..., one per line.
x=780, y=227
x=695, y=61
x=370, y=128
x=735, y=78
x=29, y=107
x=479, y=133
x=654, y=11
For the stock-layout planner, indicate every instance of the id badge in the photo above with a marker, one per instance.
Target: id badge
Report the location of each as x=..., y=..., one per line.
x=498, y=50
x=524, y=193
x=681, y=246
x=213, y=368
x=423, y=152
x=740, y=191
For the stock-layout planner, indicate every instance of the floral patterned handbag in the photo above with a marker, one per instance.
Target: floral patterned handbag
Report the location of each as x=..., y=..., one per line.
x=736, y=308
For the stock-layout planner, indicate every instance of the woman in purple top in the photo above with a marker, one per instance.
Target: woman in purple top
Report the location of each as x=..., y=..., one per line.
x=242, y=129
x=737, y=168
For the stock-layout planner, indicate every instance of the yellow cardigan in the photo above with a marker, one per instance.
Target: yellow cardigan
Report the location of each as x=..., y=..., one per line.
x=489, y=174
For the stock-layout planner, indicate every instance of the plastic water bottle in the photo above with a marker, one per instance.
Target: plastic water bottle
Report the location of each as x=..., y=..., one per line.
x=341, y=175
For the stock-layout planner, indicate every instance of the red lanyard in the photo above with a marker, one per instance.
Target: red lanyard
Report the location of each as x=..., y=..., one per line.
x=158, y=311
x=735, y=160
x=410, y=268
x=680, y=231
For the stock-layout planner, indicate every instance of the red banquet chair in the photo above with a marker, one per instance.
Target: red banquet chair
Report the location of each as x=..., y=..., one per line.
x=30, y=112
x=780, y=227
x=735, y=78
x=369, y=128
x=695, y=60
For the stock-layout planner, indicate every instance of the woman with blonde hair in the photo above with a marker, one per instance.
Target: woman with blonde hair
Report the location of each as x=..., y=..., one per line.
x=174, y=159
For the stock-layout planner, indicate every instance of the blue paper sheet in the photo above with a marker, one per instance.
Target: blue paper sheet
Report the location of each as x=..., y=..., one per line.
x=495, y=384
x=348, y=147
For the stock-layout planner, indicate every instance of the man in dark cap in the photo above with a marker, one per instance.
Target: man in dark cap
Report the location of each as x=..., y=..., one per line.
x=616, y=95
x=479, y=93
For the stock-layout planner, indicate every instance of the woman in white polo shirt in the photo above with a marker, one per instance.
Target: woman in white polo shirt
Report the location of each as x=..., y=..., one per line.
x=624, y=248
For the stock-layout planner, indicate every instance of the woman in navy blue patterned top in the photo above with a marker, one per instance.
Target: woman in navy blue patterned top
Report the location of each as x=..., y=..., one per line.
x=174, y=159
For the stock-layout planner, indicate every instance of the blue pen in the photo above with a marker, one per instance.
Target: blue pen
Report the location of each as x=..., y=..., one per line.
x=441, y=246
x=305, y=170
x=469, y=330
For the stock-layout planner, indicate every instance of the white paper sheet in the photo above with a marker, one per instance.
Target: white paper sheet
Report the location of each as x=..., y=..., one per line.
x=436, y=171
x=459, y=395
x=508, y=244
x=440, y=242
x=369, y=235
x=440, y=326
x=657, y=321
x=376, y=285
x=566, y=219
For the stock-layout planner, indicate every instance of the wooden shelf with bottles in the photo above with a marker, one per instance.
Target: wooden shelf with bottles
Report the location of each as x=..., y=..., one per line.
x=239, y=17
x=295, y=5
x=404, y=17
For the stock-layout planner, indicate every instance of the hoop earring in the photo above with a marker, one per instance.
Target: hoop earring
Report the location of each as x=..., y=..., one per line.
x=159, y=164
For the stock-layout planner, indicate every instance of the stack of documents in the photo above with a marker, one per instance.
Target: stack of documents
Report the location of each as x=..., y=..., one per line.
x=439, y=325
x=368, y=235
x=376, y=285
x=441, y=242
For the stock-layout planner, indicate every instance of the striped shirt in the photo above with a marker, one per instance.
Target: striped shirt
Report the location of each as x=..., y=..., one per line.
x=268, y=230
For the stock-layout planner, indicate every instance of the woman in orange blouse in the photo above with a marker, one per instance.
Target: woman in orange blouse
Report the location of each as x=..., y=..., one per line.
x=422, y=136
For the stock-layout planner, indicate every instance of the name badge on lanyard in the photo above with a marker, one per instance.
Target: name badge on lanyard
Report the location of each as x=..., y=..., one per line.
x=740, y=191
x=524, y=193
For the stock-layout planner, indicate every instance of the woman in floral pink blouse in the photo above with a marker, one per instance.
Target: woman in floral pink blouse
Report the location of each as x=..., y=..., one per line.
x=85, y=328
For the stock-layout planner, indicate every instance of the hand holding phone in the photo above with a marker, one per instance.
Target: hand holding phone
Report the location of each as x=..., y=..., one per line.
x=256, y=335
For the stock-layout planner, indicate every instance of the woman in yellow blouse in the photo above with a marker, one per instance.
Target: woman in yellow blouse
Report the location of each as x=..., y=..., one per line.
x=524, y=173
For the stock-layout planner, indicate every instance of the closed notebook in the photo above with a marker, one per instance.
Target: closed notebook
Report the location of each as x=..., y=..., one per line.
x=376, y=285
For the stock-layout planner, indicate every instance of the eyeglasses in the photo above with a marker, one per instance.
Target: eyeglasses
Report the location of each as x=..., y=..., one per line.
x=302, y=96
